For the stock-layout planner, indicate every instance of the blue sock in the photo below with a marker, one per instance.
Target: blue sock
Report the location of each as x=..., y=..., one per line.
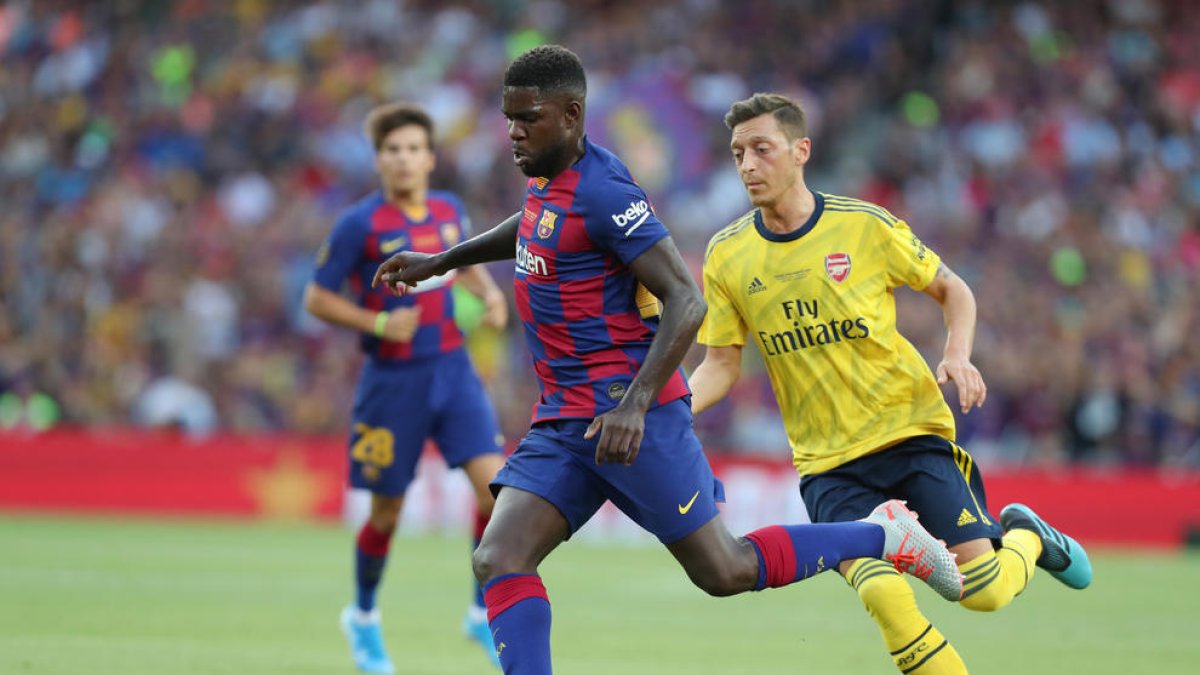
x=370, y=558
x=791, y=553
x=519, y=616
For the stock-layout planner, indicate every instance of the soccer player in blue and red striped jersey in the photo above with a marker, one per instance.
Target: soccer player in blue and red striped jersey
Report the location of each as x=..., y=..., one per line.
x=417, y=382
x=613, y=422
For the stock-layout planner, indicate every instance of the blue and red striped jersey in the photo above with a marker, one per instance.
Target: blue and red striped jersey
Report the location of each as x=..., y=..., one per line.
x=587, y=320
x=368, y=233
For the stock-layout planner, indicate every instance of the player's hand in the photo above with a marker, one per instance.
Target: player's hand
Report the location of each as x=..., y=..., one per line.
x=971, y=389
x=621, y=430
x=402, y=324
x=495, y=310
x=405, y=269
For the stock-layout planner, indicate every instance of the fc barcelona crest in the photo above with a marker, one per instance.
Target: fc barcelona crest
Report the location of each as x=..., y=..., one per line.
x=837, y=266
x=450, y=233
x=545, y=226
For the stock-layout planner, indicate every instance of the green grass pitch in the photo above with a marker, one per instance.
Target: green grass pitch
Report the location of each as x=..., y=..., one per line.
x=114, y=596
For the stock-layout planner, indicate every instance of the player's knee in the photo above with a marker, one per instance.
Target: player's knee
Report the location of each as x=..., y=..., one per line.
x=385, y=512
x=484, y=564
x=989, y=597
x=491, y=560
x=385, y=523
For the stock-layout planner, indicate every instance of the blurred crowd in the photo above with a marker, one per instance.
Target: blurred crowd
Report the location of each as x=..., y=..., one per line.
x=168, y=169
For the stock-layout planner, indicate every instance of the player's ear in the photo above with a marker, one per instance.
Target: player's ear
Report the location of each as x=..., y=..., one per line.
x=801, y=149
x=430, y=150
x=573, y=113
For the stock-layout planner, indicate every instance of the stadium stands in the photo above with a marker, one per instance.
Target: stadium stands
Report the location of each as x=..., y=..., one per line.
x=168, y=170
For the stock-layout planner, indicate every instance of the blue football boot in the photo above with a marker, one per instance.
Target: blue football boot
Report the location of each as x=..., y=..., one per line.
x=366, y=642
x=476, y=628
x=1061, y=556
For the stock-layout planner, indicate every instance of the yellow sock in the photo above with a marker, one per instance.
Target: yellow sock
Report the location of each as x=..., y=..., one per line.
x=992, y=580
x=915, y=645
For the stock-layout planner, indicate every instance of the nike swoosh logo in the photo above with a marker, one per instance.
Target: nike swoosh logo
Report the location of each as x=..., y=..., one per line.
x=389, y=247
x=684, y=508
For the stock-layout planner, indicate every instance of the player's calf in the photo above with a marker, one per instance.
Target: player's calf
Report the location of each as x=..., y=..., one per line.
x=916, y=646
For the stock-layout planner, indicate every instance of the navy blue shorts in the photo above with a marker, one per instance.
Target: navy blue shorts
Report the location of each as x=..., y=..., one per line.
x=938, y=479
x=400, y=406
x=669, y=490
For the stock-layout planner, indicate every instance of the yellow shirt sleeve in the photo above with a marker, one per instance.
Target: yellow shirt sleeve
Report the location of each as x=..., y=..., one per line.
x=723, y=325
x=909, y=261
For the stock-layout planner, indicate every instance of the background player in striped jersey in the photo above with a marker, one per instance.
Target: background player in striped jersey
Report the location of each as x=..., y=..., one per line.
x=809, y=276
x=417, y=382
x=613, y=421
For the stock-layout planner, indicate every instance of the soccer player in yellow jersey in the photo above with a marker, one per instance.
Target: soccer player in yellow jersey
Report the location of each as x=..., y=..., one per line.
x=809, y=278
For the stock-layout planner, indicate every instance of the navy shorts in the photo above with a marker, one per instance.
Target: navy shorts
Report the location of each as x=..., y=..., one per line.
x=669, y=490
x=400, y=406
x=938, y=479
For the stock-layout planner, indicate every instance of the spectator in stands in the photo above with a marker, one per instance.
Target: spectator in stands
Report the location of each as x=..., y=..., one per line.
x=1051, y=148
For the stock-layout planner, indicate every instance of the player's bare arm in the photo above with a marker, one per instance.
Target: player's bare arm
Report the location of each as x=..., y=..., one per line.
x=715, y=376
x=408, y=267
x=336, y=309
x=662, y=271
x=958, y=309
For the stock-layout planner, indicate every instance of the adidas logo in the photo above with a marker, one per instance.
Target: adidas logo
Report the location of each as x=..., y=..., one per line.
x=756, y=286
x=965, y=518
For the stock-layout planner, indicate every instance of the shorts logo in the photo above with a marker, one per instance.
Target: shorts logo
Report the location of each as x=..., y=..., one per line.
x=545, y=226
x=756, y=286
x=837, y=266
x=616, y=391
x=684, y=508
x=965, y=518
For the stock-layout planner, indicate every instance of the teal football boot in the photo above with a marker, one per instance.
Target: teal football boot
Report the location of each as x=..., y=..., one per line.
x=1061, y=556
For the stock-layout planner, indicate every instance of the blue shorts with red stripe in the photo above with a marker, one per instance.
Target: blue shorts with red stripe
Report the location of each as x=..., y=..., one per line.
x=399, y=406
x=937, y=478
x=669, y=490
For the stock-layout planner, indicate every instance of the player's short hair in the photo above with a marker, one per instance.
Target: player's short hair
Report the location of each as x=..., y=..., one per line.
x=787, y=112
x=553, y=69
x=384, y=119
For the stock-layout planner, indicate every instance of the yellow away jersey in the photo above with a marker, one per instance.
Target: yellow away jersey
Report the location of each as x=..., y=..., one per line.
x=818, y=302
